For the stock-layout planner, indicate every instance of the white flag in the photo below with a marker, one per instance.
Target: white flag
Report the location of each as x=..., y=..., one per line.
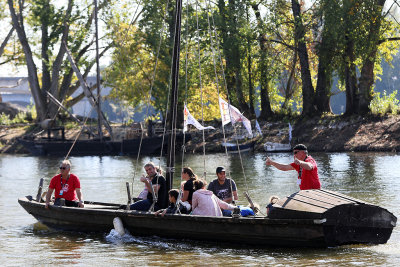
x=258, y=128
x=189, y=119
x=224, y=109
x=231, y=114
x=290, y=132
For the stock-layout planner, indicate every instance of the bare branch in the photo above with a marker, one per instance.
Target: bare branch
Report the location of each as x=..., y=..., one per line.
x=3, y=45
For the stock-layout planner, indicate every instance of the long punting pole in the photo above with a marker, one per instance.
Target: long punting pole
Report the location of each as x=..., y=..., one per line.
x=172, y=116
x=99, y=122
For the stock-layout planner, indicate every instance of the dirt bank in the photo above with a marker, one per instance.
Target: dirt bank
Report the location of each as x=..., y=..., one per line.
x=330, y=134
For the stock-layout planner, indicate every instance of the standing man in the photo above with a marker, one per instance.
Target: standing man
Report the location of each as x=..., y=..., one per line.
x=158, y=184
x=305, y=166
x=66, y=186
x=224, y=188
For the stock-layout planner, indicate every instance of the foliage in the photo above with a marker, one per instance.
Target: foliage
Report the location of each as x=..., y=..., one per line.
x=43, y=26
x=387, y=104
x=5, y=119
x=256, y=50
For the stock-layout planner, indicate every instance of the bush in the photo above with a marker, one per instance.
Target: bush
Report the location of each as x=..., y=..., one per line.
x=19, y=118
x=5, y=119
x=387, y=104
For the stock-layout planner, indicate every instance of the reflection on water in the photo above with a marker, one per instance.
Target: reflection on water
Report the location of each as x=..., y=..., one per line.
x=373, y=177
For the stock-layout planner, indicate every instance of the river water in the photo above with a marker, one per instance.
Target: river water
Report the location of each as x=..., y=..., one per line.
x=373, y=177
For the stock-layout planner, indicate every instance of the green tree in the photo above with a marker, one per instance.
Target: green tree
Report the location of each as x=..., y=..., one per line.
x=72, y=25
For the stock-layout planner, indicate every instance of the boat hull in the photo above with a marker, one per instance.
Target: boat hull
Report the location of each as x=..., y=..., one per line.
x=233, y=147
x=258, y=231
x=53, y=147
x=61, y=147
x=277, y=147
x=239, y=231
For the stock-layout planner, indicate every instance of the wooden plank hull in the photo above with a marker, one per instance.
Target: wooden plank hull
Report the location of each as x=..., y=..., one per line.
x=310, y=231
x=233, y=148
x=148, y=146
x=61, y=147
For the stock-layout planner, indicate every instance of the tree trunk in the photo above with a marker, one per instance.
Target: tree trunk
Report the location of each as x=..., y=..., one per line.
x=324, y=80
x=308, y=89
x=367, y=71
x=38, y=96
x=266, y=110
x=350, y=77
x=250, y=78
x=231, y=50
x=290, y=83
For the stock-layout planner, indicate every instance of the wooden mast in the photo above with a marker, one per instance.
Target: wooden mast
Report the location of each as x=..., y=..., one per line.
x=99, y=119
x=172, y=116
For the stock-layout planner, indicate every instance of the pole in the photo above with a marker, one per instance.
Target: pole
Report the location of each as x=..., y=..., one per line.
x=172, y=116
x=98, y=73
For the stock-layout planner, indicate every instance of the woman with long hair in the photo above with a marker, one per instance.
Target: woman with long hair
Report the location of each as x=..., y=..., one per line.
x=188, y=177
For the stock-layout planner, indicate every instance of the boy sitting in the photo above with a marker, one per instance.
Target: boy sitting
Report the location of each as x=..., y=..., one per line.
x=172, y=208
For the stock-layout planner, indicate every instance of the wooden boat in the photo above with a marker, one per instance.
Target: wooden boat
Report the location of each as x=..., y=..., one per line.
x=60, y=147
x=234, y=148
x=310, y=218
x=56, y=147
x=277, y=147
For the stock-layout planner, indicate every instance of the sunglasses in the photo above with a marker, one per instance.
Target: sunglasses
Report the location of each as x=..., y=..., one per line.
x=295, y=152
x=63, y=168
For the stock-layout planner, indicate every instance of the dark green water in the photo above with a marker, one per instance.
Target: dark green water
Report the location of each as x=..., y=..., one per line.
x=373, y=177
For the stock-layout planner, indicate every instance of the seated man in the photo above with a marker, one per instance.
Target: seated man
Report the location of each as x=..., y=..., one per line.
x=157, y=186
x=224, y=188
x=66, y=186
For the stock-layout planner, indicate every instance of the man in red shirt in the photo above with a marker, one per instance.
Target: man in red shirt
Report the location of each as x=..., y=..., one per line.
x=66, y=186
x=305, y=166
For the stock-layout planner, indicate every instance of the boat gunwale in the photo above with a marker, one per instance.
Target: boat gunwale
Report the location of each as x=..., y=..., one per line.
x=134, y=213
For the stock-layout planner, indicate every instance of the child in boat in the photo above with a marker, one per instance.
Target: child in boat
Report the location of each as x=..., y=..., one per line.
x=272, y=201
x=173, y=207
x=205, y=203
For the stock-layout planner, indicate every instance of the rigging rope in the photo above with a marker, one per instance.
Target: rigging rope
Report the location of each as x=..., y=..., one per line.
x=209, y=11
x=149, y=98
x=201, y=91
x=186, y=80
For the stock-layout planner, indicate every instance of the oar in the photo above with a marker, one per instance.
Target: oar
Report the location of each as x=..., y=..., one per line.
x=128, y=191
x=254, y=208
x=39, y=193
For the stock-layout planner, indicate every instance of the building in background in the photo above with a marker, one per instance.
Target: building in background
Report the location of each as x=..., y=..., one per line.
x=15, y=90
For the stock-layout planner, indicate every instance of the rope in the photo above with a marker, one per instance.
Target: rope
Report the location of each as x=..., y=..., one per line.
x=186, y=80
x=201, y=90
x=226, y=88
x=149, y=98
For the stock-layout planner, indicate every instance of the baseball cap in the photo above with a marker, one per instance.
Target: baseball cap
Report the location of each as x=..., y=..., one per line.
x=220, y=169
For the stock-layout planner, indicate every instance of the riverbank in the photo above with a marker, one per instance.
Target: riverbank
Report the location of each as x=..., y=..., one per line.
x=329, y=134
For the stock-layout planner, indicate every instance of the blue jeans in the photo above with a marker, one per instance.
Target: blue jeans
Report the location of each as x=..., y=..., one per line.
x=142, y=205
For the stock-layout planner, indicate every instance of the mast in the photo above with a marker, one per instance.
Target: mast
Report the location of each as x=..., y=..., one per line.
x=99, y=119
x=172, y=116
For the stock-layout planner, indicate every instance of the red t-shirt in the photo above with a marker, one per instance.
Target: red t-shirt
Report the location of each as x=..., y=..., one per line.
x=69, y=186
x=309, y=178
